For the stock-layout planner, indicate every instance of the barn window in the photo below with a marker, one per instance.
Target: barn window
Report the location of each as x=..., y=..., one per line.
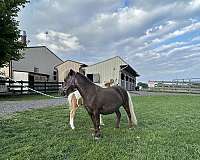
x=36, y=70
x=126, y=78
x=90, y=77
x=2, y=81
x=122, y=76
x=54, y=75
x=94, y=77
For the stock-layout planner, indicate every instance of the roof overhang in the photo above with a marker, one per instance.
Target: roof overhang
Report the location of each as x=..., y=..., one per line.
x=83, y=65
x=80, y=64
x=129, y=69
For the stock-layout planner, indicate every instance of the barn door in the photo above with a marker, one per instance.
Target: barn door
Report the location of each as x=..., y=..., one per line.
x=31, y=81
x=90, y=76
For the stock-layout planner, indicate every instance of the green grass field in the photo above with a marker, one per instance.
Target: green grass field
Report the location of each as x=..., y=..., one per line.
x=169, y=128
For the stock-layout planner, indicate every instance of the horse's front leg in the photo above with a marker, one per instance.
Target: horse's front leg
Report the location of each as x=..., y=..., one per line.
x=74, y=107
x=97, y=125
x=72, y=115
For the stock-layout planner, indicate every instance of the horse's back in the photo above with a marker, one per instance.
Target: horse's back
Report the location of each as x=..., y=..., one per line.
x=122, y=92
x=112, y=94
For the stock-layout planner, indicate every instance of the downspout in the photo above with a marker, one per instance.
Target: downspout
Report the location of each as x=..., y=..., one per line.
x=10, y=69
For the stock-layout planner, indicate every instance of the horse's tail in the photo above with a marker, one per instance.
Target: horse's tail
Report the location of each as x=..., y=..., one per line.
x=133, y=117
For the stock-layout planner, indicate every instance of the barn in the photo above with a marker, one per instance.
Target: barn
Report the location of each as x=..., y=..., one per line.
x=37, y=65
x=114, y=69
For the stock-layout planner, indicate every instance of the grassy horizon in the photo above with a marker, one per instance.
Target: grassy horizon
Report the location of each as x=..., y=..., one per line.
x=168, y=128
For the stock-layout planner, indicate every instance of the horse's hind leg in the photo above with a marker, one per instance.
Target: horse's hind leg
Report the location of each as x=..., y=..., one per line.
x=101, y=120
x=118, y=116
x=130, y=123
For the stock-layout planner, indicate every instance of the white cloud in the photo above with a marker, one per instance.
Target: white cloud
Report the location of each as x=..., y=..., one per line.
x=59, y=42
x=195, y=4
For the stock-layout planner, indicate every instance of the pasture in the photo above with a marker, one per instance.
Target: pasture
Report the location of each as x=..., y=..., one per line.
x=169, y=128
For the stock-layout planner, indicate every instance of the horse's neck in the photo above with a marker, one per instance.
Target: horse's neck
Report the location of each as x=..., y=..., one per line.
x=86, y=88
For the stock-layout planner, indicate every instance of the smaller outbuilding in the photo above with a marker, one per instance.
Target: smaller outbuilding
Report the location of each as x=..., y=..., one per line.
x=63, y=68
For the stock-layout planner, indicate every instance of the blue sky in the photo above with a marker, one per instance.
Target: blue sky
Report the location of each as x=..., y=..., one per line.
x=159, y=39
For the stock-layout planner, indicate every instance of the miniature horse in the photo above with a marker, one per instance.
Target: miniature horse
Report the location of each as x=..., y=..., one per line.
x=75, y=101
x=98, y=100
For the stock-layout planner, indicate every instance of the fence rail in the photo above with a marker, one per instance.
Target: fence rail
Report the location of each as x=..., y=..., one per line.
x=22, y=87
x=186, y=86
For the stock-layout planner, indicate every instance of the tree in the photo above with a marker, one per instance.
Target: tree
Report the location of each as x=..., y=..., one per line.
x=9, y=32
x=143, y=85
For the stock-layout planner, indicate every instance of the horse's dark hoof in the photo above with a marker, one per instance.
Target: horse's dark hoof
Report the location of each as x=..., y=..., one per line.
x=116, y=128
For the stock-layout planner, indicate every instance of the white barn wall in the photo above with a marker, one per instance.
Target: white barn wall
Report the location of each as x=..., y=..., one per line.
x=39, y=57
x=20, y=76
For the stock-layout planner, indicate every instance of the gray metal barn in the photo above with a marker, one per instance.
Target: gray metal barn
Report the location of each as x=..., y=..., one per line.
x=113, y=69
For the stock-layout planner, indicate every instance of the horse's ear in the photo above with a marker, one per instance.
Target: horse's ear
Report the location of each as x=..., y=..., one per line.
x=71, y=72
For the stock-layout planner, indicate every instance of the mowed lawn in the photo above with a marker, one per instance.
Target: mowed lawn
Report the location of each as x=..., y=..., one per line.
x=169, y=128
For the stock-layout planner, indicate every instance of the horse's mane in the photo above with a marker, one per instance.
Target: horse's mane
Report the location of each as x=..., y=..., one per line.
x=85, y=79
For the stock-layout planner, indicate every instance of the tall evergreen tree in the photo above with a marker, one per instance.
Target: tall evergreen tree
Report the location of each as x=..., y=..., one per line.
x=9, y=31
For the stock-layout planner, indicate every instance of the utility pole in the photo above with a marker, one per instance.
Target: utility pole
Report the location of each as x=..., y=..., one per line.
x=46, y=33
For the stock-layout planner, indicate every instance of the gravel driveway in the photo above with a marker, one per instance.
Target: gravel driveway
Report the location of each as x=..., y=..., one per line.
x=8, y=107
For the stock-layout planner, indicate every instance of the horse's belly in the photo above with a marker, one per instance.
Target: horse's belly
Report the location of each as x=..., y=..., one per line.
x=105, y=113
x=88, y=109
x=108, y=109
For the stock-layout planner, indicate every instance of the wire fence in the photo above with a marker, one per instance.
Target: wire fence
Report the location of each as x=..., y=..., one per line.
x=177, y=85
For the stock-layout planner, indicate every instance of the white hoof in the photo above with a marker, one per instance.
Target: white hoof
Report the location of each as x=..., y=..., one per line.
x=96, y=138
x=102, y=124
x=72, y=127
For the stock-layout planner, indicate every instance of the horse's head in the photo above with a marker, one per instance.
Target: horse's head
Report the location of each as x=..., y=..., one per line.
x=69, y=82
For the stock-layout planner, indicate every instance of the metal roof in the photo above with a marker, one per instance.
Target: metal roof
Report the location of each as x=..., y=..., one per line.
x=129, y=69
